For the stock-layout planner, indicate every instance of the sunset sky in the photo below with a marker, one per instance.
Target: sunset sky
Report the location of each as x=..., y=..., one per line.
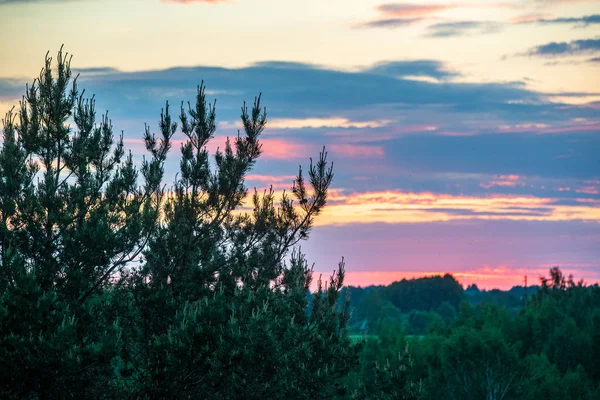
x=465, y=135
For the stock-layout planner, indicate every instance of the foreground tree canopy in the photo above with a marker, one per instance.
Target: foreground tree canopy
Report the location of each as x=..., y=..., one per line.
x=112, y=286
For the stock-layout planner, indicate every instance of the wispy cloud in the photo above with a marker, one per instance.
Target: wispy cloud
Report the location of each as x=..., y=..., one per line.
x=504, y=180
x=574, y=47
x=283, y=149
x=11, y=88
x=582, y=21
x=297, y=123
x=405, y=10
x=356, y=151
x=96, y=70
x=463, y=28
x=413, y=10
x=389, y=23
x=395, y=15
x=530, y=18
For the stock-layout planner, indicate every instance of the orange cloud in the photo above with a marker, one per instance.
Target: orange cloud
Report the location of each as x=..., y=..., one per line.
x=409, y=207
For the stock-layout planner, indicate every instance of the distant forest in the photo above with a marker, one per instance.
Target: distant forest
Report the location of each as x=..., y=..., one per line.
x=538, y=342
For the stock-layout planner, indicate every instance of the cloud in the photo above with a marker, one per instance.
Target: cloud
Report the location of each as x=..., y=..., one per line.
x=395, y=15
x=285, y=149
x=400, y=10
x=401, y=69
x=400, y=15
x=356, y=151
x=548, y=19
x=529, y=18
x=412, y=10
x=270, y=178
x=574, y=47
x=394, y=206
x=11, y=88
x=389, y=23
x=296, y=123
x=503, y=180
x=410, y=135
x=300, y=91
x=583, y=21
x=95, y=71
x=463, y=28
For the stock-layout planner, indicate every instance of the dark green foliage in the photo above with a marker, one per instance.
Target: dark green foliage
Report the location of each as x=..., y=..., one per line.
x=424, y=293
x=547, y=348
x=113, y=287
x=71, y=215
x=386, y=370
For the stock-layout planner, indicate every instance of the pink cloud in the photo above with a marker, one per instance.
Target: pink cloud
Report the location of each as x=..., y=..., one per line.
x=356, y=151
x=284, y=149
x=503, y=181
x=272, y=148
x=530, y=18
x=262, y=182
x=269, y=178
x=591, y=187
x=412, y=10
x=420, y=10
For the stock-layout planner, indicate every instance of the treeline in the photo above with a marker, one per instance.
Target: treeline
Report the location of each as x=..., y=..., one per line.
x=422, y=303
x=467, y=344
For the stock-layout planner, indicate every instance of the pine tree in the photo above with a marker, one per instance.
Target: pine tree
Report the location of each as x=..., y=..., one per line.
x=223, y=315
x=72, y=217
x=113, y=287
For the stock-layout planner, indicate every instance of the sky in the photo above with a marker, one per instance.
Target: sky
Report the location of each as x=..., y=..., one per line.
x=465, y=136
